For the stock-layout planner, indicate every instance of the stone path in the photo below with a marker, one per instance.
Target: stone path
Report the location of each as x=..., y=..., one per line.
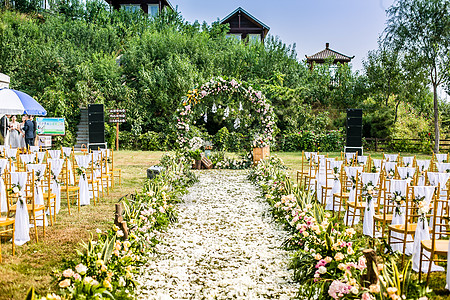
x=224, y=246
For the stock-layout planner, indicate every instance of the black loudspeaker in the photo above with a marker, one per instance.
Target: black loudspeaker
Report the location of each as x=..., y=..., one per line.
x=96, y=121
x=354, y=128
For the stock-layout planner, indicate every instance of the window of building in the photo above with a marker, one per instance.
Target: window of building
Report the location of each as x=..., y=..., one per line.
x=254, y=37
x=131, y=7
x=153, y=10
x=236, y=36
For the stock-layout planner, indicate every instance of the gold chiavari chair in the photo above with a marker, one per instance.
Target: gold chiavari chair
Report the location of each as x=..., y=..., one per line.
x=342, y=196
x=72, y=192
x=7, y=227
x=437, y=248
x=35, y=211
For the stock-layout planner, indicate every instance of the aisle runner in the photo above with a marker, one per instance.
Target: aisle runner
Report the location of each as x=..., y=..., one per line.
x=223, y=246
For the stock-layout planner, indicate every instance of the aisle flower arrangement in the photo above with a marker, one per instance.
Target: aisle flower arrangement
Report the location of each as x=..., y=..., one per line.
x=107, y=265
x=328, y=258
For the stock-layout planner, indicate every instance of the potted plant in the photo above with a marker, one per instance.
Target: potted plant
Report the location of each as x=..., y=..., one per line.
x=196, y=155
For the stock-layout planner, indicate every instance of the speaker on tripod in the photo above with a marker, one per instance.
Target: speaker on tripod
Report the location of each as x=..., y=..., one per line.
x=354, y=131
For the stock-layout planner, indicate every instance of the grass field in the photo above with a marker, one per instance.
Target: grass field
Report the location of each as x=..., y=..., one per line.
x=34, y=263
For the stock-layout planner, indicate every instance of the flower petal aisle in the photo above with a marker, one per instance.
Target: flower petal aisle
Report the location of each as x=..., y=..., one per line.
x=224, y=246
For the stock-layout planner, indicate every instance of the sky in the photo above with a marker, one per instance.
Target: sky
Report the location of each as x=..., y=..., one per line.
x=352, y=27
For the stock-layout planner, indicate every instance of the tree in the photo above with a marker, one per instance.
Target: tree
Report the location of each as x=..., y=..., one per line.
x=421, y=29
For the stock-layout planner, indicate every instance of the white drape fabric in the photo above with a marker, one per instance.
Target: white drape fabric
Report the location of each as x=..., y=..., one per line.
x=27, y=158
x=423, y=166
x=39, y=173
x=389, y=166
x=54, y=153
x=443, y=167
x=40, y=157
x=399, y=187
x=34, y=148
x=406, y=172
x=351, y=172
x=391, y=157
x=10, y=152
x=377, y=163
x=22, y=229
x=83, y=161
x=3, y=204
x=349, y=157
x=423, y=233
x=408, y=161
x=56, y=167
x=335, y=184
x=321, y=174
x=441, y=158
x=369, y=210
x=362, y=159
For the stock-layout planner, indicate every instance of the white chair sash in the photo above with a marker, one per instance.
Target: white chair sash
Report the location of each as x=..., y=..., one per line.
x=34, y=148
x=98, y=173
x=349, y=157
x=391, y=157
x=54, y=153
x=443, y=167
x=369, y=210
x=423, y=164
x=335, y=183
x=40, y=157
x=408, y=161
x=377, y=163
x=309, y=155
x=67, y=151
x=351, y=172
x=406, y=172
x=3, y=204
x=22, y=227
x=27, y=158
x=441, y=157
x=362, y=159
x=389, y=166
x=423, y=233
x=399, y=187
x=39, y=173
x=56, y=167
x=83, y=161
x=11, y=152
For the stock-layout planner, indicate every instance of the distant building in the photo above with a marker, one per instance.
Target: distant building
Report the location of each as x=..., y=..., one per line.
x=150, y=7
x=243, y=25
x=327, y=53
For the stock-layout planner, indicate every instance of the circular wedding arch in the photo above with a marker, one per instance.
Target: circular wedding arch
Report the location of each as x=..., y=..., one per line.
x=257, y=117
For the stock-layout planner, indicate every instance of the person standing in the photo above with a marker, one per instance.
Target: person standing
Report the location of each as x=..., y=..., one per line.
x=28, y=129
x=14, y=136
x=35, y=129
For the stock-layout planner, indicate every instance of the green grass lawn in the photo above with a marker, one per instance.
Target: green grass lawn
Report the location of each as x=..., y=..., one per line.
x=34, y=263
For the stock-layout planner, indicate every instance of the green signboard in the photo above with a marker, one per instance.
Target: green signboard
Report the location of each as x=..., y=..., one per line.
x=50, y=126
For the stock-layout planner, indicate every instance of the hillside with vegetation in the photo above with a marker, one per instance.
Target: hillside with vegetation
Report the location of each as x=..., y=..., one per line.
x=76, y=54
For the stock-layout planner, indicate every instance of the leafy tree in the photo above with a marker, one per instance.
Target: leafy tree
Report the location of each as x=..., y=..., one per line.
x=421, y=29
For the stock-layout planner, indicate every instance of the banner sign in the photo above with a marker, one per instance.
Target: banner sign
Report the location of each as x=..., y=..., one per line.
x=50, y=126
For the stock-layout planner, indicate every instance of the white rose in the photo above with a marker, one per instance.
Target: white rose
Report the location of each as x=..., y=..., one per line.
x=322, y=270
x=354, y=290
x=80, y=268
x=16, y=190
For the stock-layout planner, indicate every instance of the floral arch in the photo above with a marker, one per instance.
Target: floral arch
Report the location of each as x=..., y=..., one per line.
x=247, y=109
